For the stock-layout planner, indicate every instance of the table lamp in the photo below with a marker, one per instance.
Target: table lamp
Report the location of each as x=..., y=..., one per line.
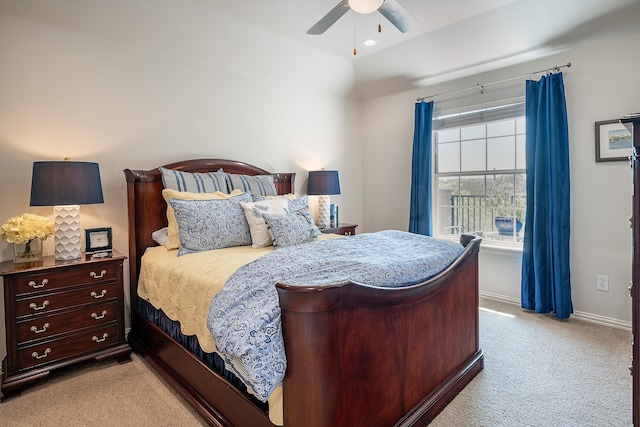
x=65, y=185
x=323, y=183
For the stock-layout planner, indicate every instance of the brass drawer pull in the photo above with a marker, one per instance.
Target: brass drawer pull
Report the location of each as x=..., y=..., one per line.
x=34, y=285
x=96, y=276
x=95, y=316
x=33, y=305
x=37, y=356
x=104, y=337
x=38, y=331
x=96, y=296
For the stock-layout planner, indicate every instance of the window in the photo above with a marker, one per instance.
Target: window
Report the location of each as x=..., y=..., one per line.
x=480, y=174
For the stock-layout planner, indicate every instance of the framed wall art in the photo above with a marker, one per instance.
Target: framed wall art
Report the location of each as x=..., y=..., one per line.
x=613, y=141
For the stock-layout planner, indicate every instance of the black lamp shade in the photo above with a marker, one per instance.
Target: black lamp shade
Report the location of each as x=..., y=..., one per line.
x=323, y=183
x=65, y=183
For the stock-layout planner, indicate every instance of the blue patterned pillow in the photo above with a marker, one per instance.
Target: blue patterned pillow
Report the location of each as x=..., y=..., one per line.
x=261, y=185
x=298, y=203
x=291, y=229
x=204, y=225
x=209, y=182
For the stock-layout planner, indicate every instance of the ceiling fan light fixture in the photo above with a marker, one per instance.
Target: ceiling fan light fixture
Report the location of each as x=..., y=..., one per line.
x=397, y=15
x=364, y=6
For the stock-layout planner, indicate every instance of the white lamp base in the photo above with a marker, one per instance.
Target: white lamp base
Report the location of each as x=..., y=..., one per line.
x=323, y=211
x=66, y=223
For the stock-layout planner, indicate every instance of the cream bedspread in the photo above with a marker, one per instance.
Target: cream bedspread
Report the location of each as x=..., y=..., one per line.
x=182, y=287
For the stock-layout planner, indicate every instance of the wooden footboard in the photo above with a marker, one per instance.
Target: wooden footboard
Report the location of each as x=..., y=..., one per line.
x=363, y=356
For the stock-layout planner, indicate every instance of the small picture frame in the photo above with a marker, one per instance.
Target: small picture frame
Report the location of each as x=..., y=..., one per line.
x=613, y=141
x=98, y=240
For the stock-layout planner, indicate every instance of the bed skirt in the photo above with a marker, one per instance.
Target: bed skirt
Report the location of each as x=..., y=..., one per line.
x=190, y=342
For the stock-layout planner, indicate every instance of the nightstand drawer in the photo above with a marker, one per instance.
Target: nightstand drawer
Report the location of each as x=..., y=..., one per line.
x=55, y=279
x=41, y=327
x=47, y=303
x=87, y=342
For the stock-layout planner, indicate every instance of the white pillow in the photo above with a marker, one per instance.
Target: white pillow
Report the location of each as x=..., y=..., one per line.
x=260, y=235
x=161, y=236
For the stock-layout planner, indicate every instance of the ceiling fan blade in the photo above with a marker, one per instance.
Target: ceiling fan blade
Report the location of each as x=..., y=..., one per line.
x=329, y=19
x=398, y=15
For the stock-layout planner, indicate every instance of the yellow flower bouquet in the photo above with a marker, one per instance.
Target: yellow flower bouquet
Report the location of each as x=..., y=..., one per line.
x=21, y=229
x=26, y=232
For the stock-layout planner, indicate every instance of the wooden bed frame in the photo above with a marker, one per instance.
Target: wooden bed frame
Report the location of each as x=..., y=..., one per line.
x=356, y=355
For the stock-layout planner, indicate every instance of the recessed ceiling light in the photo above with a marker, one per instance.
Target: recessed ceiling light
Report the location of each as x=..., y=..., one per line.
x=369, y=42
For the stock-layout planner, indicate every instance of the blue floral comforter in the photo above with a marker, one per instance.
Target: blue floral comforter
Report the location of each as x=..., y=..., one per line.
x=244, y=316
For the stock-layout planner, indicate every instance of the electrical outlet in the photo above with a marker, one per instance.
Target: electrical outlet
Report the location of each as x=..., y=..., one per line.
x=602, y=283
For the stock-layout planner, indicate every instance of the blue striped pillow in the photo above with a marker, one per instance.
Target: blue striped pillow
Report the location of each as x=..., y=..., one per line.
x=261, y=185
x=193, y=182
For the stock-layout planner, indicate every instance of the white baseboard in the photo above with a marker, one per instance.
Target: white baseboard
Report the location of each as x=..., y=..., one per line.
x=588, y=317
x=602, y=320
x=499, y=297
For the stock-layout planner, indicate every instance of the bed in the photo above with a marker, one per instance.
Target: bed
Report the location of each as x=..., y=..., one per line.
x=338, y=371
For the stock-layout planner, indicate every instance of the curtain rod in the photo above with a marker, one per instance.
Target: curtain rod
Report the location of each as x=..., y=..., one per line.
x=481, y=86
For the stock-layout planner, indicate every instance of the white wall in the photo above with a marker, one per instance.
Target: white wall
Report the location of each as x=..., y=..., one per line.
x=132, y=87
x=127, y=89
x=602, y=84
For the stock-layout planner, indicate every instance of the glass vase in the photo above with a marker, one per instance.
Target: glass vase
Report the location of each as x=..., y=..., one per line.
x=30, y=251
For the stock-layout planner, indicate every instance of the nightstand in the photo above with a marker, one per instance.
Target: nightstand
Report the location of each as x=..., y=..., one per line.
x=346, y=229
x=58, y=313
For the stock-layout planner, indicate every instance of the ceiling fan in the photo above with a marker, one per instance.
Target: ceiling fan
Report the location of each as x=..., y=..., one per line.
x=390, y=9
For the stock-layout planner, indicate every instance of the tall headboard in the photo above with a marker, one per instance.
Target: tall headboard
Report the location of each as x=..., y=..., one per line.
x=147, y=208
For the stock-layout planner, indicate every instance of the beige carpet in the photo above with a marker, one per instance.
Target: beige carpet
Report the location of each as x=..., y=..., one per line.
x=541, y=371
x=538, y=372
x=99, y=394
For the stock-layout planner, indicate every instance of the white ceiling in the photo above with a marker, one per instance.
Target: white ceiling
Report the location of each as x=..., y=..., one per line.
x=292, y=18
x=454, y=38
